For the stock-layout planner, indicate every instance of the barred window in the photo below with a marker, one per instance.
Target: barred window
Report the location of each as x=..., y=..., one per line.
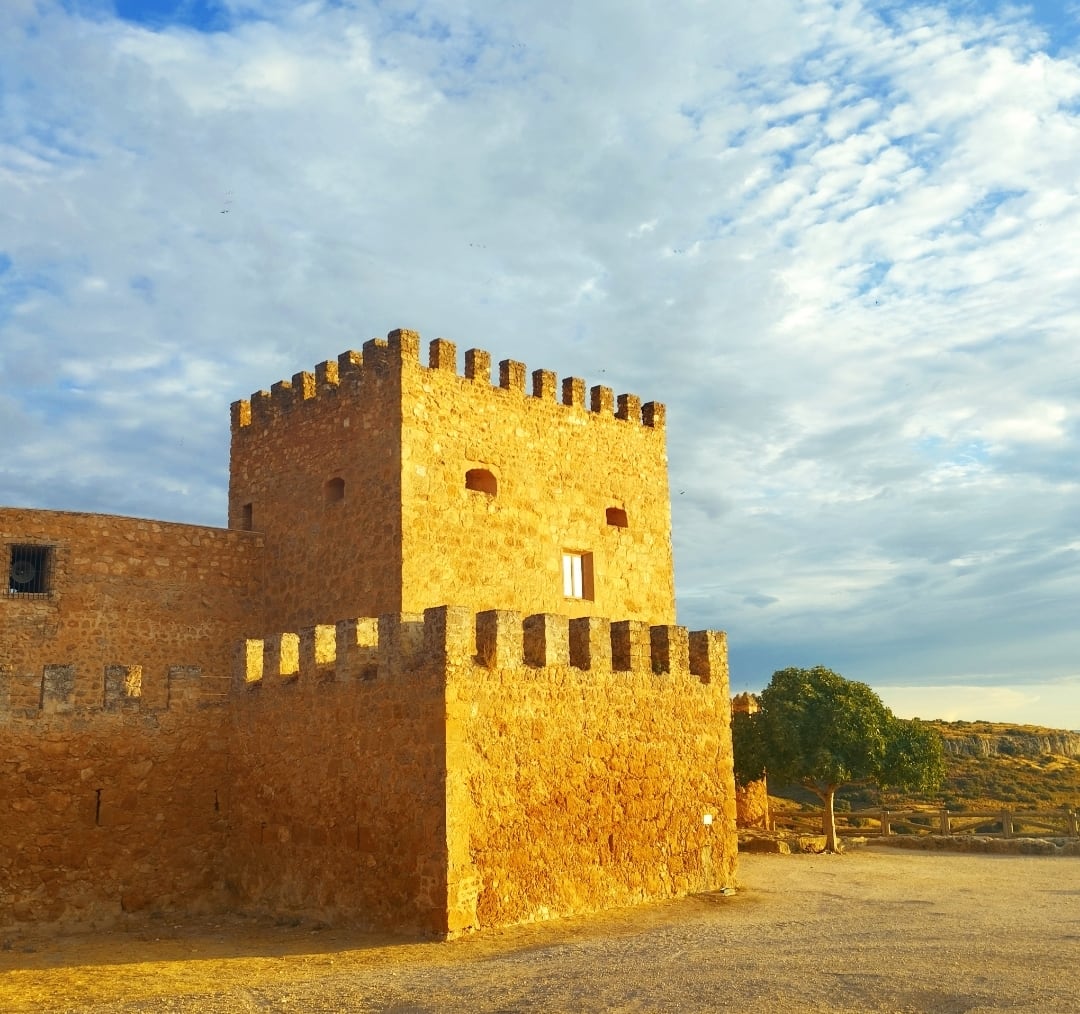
x=29, y=570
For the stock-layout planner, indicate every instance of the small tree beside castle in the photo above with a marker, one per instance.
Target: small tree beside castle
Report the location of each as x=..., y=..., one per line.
x=816, y=729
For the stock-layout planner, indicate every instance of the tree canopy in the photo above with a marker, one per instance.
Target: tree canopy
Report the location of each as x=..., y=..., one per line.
x=822, y=731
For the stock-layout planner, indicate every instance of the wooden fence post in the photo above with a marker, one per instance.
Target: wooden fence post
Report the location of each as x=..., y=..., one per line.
x=944, y=822
x=1006, y=824
x=886, y=830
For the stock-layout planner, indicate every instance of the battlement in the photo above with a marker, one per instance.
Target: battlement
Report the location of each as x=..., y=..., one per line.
x=401, y=349
x=399, y=644
x=121, y=689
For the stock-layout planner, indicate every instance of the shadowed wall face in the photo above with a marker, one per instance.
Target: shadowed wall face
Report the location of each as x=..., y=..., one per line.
x=338, y=782
x=315, y=467
x=114, y=810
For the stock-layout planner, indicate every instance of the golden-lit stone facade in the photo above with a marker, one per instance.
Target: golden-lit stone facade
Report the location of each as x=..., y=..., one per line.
x=383, y=484
x=195, y=719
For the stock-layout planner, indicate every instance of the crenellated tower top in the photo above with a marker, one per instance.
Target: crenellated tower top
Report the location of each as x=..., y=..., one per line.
x=402, y=347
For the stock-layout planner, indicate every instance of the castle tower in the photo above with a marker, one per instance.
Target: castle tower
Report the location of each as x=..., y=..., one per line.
x=384, y=485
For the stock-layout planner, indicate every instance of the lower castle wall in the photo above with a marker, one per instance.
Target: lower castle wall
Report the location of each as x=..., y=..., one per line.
x=575, y=791
x=108, y=813
x=339, y=798
x=437, y=773
x=454, y=772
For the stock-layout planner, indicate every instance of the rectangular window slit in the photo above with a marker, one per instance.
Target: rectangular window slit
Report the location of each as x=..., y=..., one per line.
x=577, y=573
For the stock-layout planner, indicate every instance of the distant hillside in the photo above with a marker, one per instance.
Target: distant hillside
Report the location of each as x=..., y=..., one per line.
x=1017, y=765
x=988, y=765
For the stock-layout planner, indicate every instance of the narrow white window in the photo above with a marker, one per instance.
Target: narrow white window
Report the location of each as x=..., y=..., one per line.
x=571, y=575
x=577, y=575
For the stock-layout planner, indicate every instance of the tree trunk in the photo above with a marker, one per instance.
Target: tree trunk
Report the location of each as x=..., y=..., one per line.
x=828, y=821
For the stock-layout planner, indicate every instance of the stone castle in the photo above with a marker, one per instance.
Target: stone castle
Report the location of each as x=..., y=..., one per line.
x=427, y=680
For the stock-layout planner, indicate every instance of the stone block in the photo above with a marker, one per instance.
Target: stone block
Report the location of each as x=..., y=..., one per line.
x=357, y=649
x=631, y=646
x=590, y=643
x=670, y=649
x=709, y=658
x=546, y=640
x=499, y=639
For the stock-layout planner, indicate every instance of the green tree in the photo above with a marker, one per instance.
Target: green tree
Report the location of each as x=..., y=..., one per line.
x=914, y=757
x=819, y=730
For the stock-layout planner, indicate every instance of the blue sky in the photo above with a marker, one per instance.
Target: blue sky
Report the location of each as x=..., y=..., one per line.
x=837, y=238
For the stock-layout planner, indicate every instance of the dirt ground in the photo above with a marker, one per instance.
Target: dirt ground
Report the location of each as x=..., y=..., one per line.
x=873, y=930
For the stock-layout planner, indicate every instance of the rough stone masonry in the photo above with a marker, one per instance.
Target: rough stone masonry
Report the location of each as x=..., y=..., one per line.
x=427, y=680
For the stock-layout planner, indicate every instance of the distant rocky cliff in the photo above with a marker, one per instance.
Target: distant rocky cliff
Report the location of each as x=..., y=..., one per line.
x=1011, y=743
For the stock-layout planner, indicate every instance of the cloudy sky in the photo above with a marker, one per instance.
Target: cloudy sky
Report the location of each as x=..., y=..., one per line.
x=839, y=238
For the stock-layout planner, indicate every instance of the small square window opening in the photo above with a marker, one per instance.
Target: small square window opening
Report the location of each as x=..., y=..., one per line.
x=616, y=517
x=29, y=570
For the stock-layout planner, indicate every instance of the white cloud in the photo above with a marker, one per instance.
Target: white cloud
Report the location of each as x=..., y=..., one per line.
x=1041, y=423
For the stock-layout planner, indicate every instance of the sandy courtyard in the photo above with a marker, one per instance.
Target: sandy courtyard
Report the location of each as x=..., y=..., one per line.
x=875, y=930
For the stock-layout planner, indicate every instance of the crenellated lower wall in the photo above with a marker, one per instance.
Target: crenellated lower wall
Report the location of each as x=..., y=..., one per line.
x=437, y=773
x=480, y=770
x=114, y=808
x=589, y=766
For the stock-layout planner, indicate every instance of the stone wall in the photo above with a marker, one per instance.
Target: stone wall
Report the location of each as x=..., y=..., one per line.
x=579, y=787
x=475, y=771
x=752, y=805
x=573, y=472
x=129, y=592
x=751, y=800
x=339, y=771
x=437, y=773
x=316, y=468
x=113, y=810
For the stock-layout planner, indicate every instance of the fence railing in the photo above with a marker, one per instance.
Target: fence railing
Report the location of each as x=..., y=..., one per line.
x=991, y=823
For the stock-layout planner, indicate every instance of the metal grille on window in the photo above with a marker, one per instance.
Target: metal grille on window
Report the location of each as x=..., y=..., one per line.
x=28, y=570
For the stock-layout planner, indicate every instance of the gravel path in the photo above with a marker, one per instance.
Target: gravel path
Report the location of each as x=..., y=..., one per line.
x=874, y=930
